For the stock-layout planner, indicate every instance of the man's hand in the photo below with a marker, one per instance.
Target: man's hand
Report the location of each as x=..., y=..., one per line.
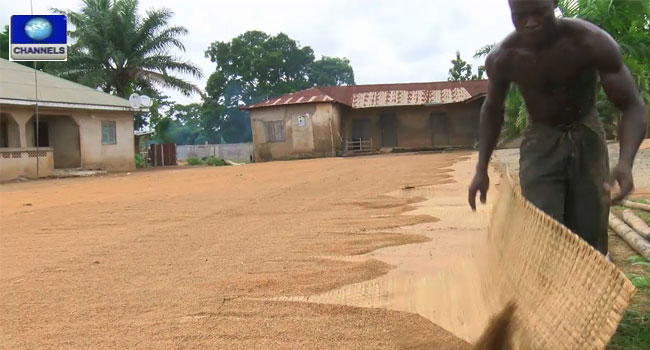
x=621, y=174
x=481, y=182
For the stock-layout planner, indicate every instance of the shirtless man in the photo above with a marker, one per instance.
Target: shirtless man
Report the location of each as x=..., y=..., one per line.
x=564, y=167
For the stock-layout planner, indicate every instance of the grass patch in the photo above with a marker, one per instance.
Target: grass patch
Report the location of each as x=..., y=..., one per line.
x=214, y=161
x=633, y=332
x=140, y=161
x=194, y=161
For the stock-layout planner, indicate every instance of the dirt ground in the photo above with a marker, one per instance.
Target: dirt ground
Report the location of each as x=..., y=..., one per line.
x=187, y=258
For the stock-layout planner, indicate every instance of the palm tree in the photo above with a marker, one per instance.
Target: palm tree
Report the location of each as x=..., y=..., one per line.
x=120, y=52
x=628, y=21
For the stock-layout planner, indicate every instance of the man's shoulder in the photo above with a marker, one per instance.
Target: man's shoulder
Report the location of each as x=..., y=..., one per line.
x=578, y=26
x=594, y=43
x=584, y=33
x=500, y=56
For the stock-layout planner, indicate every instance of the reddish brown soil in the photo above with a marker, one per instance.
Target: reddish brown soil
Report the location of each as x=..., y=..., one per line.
x=174, y=259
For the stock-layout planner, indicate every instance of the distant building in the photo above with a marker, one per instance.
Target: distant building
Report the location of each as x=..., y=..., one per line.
x=326, y=121
x=78, y=127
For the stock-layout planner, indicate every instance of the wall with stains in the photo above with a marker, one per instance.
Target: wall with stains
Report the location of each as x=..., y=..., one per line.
x=414, y=125
x=75, y=136
x=326, y=127
x=310, y=130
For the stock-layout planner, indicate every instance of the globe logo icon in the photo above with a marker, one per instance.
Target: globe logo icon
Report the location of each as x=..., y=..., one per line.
x=38, y=28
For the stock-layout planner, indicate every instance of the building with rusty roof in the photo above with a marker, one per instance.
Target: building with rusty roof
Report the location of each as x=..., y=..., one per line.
x=326, y=121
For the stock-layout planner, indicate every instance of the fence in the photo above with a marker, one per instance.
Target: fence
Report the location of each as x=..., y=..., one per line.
x=162, y=154
x=238, y=152
x=358, y=145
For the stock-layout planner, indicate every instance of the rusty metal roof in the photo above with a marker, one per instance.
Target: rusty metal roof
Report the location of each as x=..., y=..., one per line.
x=384, y=95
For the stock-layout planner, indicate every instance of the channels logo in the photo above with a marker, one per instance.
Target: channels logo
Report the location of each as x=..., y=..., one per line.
x=38, y=38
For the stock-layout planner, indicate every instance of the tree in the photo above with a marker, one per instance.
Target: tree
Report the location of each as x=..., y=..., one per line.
x=121, y=52
x=331, y=71
x=254, y=67
x=181, y=125
x=462, y=71
x=4, y=43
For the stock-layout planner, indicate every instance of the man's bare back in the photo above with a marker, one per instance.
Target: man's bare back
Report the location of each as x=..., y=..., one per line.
x=556, y=64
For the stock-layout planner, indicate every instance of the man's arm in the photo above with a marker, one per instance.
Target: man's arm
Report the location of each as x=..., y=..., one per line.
x=621, y=90
x=489, y=129
x=492, y=114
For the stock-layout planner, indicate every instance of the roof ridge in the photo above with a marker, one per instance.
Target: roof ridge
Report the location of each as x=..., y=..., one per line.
x=411, y=83
x=56, y=77
x=348, y=94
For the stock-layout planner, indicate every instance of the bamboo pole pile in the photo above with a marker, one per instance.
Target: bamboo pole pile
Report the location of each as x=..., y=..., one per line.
x=635, y=205
x=629, y=235
x=640, y=226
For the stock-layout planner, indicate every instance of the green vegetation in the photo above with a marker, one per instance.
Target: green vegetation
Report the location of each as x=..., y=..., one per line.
x=120, y=52
x=194, y=161
x=643, y=201
x=254, y=67
x=634, y=331
x=640, y=281
x=4, y=50
x=462, y=71
x=214, y=161
x=140, y=162
x=211, y=160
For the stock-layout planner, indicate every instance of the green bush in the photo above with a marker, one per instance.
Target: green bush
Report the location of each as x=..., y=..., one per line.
x=140, y=162
x=194, y=161
x=214, y=161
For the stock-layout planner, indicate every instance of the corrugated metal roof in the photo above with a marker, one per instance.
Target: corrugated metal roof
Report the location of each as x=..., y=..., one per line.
x=384, y=95
x=17, y=83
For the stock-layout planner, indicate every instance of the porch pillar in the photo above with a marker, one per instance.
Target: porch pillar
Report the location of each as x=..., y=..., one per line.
x=22, y=119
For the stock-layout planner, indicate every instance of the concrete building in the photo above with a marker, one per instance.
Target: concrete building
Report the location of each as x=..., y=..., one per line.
x=78, y=127
x=326, y=121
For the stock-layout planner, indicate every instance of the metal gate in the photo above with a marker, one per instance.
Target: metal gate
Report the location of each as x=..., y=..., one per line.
x=163, y=154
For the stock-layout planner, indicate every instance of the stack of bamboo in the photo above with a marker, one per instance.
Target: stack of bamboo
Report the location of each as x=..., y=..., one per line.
x=632, y=229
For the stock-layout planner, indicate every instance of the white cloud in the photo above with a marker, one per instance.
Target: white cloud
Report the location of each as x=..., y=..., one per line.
x=387, y=41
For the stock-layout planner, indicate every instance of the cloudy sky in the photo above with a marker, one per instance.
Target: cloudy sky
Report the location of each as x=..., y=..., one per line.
x=387, y=41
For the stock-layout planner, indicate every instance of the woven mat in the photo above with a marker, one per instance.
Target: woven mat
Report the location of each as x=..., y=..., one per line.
x=568, y=295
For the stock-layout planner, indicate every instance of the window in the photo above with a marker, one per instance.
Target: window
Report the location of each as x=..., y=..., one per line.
x=274, y=131
x=108, y=133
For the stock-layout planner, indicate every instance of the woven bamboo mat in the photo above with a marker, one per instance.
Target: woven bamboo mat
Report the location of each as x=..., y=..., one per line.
x=568, y=295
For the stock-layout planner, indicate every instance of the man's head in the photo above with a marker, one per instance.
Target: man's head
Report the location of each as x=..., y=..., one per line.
x=534, y=19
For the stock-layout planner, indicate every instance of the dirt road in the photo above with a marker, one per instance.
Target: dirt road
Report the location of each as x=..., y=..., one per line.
x=187, y=258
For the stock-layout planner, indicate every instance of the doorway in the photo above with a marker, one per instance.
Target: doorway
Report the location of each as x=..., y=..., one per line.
x=388, y=130
x=439, y=129
x=43, y=133
x=61, y=133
